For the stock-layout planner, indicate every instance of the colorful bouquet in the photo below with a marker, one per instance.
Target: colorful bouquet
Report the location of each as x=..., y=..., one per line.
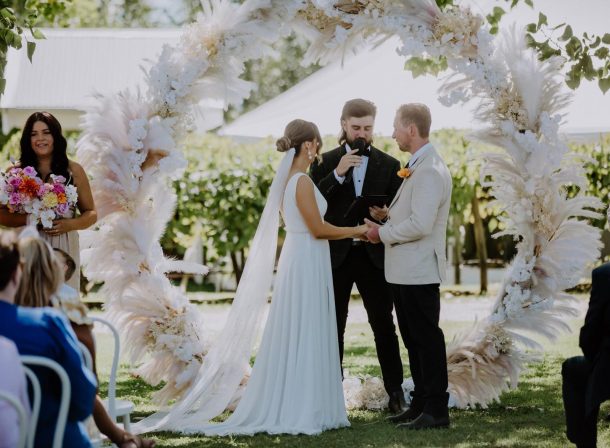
x=22, y=191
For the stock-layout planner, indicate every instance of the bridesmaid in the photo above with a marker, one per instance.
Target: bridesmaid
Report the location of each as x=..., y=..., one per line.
x=43, y=147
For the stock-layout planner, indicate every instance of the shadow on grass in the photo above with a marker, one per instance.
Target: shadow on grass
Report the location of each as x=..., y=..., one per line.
x=530, y=416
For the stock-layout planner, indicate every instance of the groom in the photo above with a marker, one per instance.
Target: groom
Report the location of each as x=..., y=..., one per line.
x=344, y=174
x=414, y=240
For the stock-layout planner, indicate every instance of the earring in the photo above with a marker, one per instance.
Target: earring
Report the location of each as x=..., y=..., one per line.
x=309, y=155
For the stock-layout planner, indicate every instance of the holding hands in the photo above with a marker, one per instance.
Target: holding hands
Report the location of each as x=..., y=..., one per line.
x=372, y=235
x=369, y=231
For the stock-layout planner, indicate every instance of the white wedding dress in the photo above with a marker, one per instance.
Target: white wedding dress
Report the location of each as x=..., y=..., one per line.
x=295, y=386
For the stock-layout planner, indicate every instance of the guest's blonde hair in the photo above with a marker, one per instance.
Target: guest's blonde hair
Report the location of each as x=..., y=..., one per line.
x=42, y=273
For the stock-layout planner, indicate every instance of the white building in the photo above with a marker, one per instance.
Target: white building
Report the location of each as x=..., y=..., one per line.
x=71, y=65
x=378, y=74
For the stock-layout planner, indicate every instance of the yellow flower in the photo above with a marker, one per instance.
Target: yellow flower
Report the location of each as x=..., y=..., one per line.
x=403, y=172
x=49, y=200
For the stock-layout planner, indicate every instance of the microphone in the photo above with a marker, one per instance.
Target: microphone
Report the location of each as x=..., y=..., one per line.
x=360, y=145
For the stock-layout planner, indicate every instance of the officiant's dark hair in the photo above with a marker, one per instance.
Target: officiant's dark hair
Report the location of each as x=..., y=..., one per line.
x=356, y=108
x=59, y=161
x=296, y=133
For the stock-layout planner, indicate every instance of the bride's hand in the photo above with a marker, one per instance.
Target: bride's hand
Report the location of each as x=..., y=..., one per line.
x=360, y=231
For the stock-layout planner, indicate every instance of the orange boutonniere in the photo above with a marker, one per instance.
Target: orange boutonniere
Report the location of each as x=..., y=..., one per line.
x=403, y=172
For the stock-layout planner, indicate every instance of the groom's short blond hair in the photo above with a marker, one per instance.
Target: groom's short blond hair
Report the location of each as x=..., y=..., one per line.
x=417, y=114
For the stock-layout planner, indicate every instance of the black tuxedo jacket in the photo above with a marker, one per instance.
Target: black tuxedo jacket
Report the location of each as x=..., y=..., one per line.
x=380, y=178
x=595, y=338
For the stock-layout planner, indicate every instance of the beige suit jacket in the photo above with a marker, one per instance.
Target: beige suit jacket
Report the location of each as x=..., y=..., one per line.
x=414, y=235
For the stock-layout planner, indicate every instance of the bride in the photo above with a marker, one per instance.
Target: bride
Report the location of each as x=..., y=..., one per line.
x=295, y=385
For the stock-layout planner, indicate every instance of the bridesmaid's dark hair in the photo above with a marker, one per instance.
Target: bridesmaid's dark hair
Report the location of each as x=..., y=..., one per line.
x=296, y=133
x=59, y=160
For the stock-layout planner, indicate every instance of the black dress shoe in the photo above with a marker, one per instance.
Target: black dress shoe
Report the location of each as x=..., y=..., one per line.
x=405, y=416
x=397, y=403
x=426, y=421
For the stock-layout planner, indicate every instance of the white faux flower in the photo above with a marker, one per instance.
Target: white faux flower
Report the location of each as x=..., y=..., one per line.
x=46, y=218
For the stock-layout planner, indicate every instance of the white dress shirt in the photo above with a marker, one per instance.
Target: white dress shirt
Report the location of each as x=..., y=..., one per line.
x=418, y=154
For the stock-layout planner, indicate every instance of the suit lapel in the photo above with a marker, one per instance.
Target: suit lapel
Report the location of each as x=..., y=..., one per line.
x=372, y=169
x=404, y=181
x=417, y=163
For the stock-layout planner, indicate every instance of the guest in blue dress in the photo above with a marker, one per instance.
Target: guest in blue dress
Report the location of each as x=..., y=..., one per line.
x=46, y=332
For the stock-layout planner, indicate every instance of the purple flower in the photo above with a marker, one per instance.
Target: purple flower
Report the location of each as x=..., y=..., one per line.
x=14, y=182
x=62, y=209
x=29, y=171
x=14, y=199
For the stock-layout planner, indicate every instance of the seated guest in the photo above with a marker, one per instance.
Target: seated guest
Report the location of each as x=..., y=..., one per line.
x=68, y=301
x=12, y=382
x=46, y=332
x=586, y=379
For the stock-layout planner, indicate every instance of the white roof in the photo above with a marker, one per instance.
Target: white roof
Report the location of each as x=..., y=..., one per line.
x=378, y=74
x=70, y=65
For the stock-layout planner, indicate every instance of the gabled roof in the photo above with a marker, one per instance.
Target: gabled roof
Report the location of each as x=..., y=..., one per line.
x=378, y=74
x=71, y=65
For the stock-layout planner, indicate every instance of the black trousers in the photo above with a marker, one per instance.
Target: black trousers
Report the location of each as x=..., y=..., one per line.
x=581, y=427
x=418, y=310
x=370, y=281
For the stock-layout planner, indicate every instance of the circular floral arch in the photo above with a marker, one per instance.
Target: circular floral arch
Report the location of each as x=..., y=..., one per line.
x=522, y=99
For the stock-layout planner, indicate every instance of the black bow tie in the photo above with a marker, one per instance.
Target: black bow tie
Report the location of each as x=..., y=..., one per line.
x=362, y=147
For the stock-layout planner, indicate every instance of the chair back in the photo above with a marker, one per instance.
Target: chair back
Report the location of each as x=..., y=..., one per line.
x=115, y=366
x=64, y=404
x=35, y=402
x=23, y=423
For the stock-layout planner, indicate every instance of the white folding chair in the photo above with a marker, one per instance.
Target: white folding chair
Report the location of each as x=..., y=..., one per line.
x=116, y=408
x=64, y=403
x=23, y=423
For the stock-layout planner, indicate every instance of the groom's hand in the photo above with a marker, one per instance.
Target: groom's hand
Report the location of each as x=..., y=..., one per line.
x=373, y=234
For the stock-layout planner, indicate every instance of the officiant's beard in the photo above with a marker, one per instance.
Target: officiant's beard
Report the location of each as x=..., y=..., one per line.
x=351, y=142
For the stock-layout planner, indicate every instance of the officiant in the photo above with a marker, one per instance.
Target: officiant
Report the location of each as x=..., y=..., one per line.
x=358, y=180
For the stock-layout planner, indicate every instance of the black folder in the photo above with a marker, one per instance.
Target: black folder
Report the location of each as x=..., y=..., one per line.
x=359, y=209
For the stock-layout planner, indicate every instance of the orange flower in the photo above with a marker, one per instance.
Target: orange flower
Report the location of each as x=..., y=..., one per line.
x=29, y=187
x=61, y=198
x=403, y=172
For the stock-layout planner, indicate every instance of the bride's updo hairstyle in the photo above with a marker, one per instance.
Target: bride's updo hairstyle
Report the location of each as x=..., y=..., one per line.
x=296, y=133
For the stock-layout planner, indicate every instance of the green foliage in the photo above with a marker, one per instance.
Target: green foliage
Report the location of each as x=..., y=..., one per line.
x=221, y=196
x=18, y=16
x=598, y=173
x=587, y=56
x=420, y=66
x=531, y=415
x=223, y=192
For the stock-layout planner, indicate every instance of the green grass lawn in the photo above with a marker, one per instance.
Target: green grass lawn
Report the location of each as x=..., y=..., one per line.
x=530, y=416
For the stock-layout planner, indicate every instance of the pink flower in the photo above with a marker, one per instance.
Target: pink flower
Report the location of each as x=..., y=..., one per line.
x=14, y=182
x=59, y=179
x=29, y=171
x=58, y=188
x=62, y=209
x=14, y=199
